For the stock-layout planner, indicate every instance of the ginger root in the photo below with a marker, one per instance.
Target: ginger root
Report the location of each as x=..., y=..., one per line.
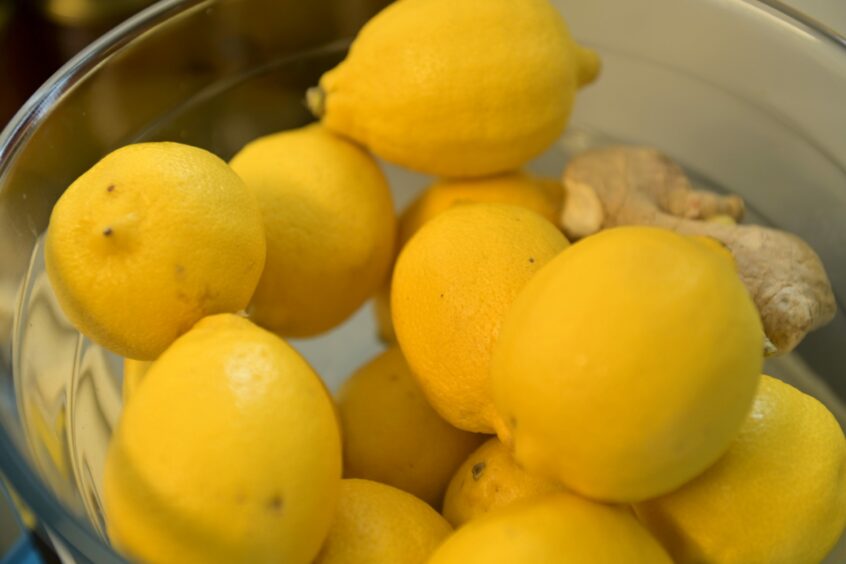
x=639, y=186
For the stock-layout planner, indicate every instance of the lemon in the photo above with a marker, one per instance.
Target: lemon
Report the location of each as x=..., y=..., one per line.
x=330, y=228
x=133, y=373
x=490, y=479
x=540, y=195
x=229, y=452
x=379, y=524
x=552, y=530
x=457, y=89
x=148, y=241
x=393, y=436
x=778, y=496
x=452, y=285
x=628, y=364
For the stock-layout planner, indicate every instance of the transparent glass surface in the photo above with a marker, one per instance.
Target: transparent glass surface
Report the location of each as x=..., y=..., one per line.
x=745, y=96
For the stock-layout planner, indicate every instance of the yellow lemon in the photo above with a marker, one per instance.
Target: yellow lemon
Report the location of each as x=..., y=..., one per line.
x=540, y=195
x=490, y=479
x=148, y=241
x=452, y=285
x=229, y=452
x=133, y=373
x=628, y=364
x=778, y=496
x=553, y=530
x=392, y=435
x=330, y=228
x=455, y=89
x=379, y=524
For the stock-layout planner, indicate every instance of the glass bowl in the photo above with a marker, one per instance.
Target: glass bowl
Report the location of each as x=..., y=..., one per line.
x=746, y=95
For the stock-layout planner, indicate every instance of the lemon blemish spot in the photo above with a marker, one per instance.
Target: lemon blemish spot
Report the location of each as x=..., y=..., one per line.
x=275, y=503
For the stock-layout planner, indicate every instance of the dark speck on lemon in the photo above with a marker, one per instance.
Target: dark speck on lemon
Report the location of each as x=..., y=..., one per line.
x=274, y=503
x=477, y=470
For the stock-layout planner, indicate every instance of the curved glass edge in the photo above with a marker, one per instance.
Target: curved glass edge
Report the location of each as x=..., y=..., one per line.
x=811, y=24
x=23, y=552
x=40, y=103
x=70, y=528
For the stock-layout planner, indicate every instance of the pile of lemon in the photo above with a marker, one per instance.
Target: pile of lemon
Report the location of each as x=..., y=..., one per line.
x=538, y=401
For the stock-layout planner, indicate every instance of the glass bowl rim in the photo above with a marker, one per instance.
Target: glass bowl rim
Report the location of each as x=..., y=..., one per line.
x=71, y=528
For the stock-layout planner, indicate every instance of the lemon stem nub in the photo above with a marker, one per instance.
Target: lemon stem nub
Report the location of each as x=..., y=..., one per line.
x=108, y=231
x=316, y=101
x=589, y=65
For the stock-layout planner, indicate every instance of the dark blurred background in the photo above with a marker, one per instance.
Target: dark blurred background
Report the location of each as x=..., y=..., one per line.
x=38, y=36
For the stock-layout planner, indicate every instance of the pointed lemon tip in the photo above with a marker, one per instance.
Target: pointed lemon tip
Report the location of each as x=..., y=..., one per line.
x=589, y=65
x=316, y=101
